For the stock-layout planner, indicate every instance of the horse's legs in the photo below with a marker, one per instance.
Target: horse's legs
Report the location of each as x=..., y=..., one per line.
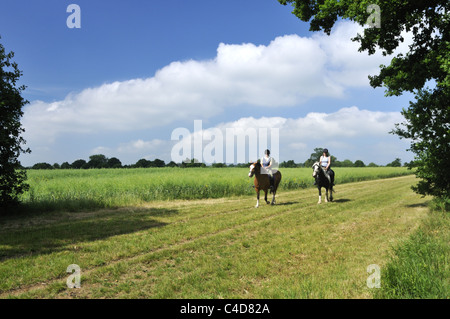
x=257, y=199
x=320, y=195
x=265, y=196
x=326, y=195
x=273, y=198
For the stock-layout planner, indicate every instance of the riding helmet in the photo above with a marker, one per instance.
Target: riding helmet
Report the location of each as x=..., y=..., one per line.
x=267, y=152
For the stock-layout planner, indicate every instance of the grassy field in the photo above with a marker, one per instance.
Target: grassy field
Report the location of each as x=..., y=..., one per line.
x=107, y=188
x=419, y=266
x=209, y=248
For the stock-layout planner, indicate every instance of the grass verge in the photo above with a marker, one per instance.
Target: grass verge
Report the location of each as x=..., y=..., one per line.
x=419, y=266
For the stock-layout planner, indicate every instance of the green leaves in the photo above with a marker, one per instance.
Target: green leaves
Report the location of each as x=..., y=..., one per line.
x=12, y=177
x=428, y=127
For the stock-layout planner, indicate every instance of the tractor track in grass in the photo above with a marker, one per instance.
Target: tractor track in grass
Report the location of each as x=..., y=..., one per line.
x=288, y=202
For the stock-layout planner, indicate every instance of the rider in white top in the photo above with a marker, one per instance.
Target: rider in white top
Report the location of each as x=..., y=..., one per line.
x=325, y=162
x=266, y=164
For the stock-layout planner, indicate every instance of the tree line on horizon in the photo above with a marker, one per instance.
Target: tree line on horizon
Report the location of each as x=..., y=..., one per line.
x=101, y=161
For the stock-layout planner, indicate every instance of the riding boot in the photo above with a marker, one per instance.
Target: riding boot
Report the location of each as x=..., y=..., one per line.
x=271, y=182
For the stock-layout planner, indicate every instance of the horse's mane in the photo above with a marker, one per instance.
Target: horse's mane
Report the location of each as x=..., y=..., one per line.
x=320, y=166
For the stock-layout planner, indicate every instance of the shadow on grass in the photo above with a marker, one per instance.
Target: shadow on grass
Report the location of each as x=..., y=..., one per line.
x=424, y=204
x=47, y=206
x=43, y=208
x=341, y=200
x=26, y=238
x=285, y=203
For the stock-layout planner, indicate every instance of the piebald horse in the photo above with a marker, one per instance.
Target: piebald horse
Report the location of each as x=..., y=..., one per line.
x=322, y=181
x=262, y=182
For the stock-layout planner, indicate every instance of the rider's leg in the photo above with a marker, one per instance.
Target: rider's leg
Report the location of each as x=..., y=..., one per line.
x=271, y=180
x=270, y=175
x=331, y=175
x=327, y=175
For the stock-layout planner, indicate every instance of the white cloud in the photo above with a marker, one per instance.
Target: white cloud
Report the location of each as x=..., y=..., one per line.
x=287, y=72
x=131, y=151
x=348, y=133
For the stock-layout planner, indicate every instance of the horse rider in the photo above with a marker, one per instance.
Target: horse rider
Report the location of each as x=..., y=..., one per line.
x=325, y=162
x=266, y=164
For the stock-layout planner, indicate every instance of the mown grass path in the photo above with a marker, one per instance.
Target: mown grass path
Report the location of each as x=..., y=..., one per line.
x=213, y=248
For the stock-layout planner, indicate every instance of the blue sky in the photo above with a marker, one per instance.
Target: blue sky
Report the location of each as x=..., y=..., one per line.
x=136, y=70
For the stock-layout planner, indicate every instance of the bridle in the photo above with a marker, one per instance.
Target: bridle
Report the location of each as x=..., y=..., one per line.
x=316, y=167
x=252, y=170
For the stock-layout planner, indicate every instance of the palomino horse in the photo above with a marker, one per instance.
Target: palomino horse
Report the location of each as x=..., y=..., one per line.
x=262, y=182
x=322, y=181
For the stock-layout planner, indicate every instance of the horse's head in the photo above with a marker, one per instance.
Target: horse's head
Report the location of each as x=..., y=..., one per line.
x=316, y=168
x=254, y=168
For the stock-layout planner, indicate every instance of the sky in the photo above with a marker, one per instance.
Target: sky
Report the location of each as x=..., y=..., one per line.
x=167, y=79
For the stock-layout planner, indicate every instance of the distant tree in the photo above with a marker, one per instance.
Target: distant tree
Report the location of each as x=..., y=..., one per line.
x=336, y=163
x=172, y=164
x=157, y=163
x=347, y=163
x=97, y=161
x=193, y=163
x=65, y=165
x=315, y=157
x=218, y=165
x=371, y=164
x=12, y=175
x=288, y=164
x=142, y=163
x=114, y=162
x=359, y=163
x=396, y=163
x=240, y=165
x=79, y=164
x=56, y=166
x=42, y=166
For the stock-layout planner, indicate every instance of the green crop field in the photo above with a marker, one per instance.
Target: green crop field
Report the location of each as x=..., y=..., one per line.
x=148, y=244
x=107, y=188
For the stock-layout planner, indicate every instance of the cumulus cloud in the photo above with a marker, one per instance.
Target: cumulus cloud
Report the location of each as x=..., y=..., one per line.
x=287, y=72
x=348, y=133
x=130, y=151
